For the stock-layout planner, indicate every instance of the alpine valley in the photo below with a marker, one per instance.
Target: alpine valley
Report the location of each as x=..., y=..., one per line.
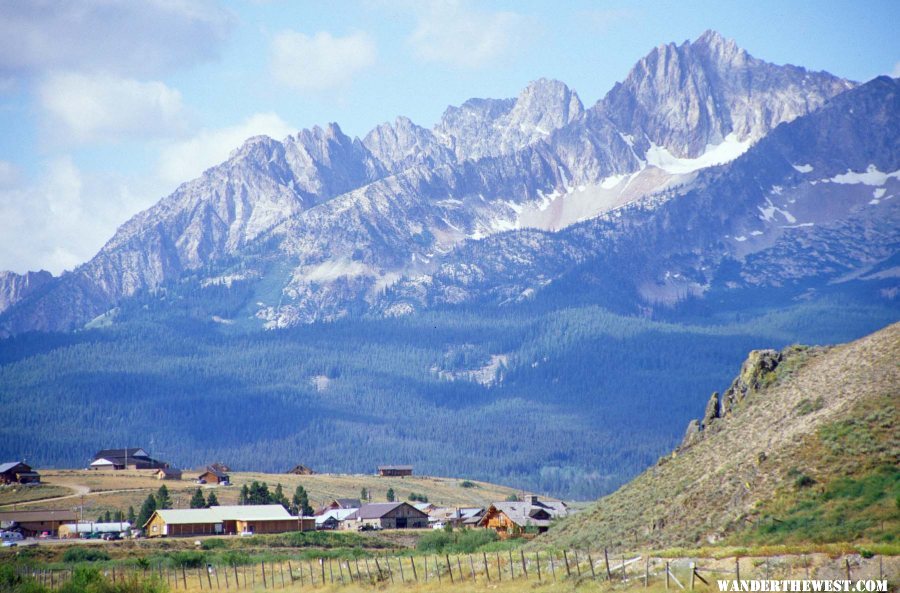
x=533, y=292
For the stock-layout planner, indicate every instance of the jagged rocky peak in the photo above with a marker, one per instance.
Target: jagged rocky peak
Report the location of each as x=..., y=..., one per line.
x=15, y=287
x=688, y=98
x=403, y=143
x=490, y=127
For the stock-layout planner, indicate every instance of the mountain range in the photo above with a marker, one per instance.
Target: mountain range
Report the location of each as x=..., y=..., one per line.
x=409, y=217
x=525, y=257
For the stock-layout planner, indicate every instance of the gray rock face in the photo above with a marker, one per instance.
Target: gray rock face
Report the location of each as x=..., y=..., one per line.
x=15, y=287
x=409, y=217
x=488, y=127
x=689, y=96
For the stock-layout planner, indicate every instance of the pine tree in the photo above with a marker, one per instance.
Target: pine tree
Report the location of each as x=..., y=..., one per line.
x=212, y=501
x=163, y=501
x=119, y=516
x=244, y=496
x=390, y=495
x=107, y=517
x=147, y=510
x=300, y=502
x=131, y=516
x=197, y=500
x=363, y=495
x=279, y=497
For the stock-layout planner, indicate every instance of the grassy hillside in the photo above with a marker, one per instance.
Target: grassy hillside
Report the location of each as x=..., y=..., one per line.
x=811, y=454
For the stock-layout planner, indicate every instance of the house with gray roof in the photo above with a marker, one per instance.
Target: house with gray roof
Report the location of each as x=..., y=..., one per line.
x=531, y=516
x=386, y=515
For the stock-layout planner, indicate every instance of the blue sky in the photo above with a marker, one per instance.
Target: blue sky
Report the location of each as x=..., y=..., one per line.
x=106, y=105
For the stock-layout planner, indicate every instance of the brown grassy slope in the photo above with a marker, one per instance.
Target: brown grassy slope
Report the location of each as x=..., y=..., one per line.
x=722, y=484
x=112, y=490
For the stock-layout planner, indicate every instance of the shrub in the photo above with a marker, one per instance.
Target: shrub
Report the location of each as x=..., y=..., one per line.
x=434, y=541
x=188, y=559
x=212, y=544
x=803, y=481
x=468, y=484
x=84, y=554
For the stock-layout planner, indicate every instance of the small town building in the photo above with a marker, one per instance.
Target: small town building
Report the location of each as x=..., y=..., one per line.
x=18, y=472
x=32, y=523
x=168, y=473
x=395, y=470
x=225, y=520
x=213, y=476
x=74, y=530
x=339, y=503
x=458, y=517
x=300, y=470
x=131, y=458
x=332, y=519
x=515, y=519
x=387, y=515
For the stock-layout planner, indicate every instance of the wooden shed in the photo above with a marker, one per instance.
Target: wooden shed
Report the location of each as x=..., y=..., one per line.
x=395, y=470
x=168, y=473
x=300, y=470
x=18, y=472
x=213, y=476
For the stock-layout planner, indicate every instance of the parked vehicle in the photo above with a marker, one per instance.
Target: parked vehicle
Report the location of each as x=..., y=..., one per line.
x=9, y=544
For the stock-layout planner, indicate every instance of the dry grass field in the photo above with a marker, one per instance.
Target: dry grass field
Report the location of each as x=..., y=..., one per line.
x=117, y=490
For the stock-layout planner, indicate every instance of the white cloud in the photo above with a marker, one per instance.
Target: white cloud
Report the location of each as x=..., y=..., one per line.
x=185, y=160
x=124, y=37
x=63, y=218
x=895, y=73
x=457, y=34
x=9, y=174
x=86, y=108
x=320, y=62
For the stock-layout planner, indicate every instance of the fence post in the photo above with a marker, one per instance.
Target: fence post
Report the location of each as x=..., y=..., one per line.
x=487, y=570
x=437, y=569
x=552, y=566
x=667, y=575
x=647, y=572
x=537, y=563
x=216, y=570
x=472, y=567
x=577, y=563
x=499, y=568
x=606, y=558
x=591, y=561
x=737, y=568
x=694, y=573
x=290, y=572
x=847, y=562
x=624, y=573
x=512, y=572
x=340, y=570
x=400, y=564
x=566, y=559
x=449, y=569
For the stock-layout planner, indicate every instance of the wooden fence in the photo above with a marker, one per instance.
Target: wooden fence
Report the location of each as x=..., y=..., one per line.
x=483, y=567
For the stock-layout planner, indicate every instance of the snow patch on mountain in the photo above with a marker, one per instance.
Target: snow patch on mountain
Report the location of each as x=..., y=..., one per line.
x=725, y=152
x=871, y=176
